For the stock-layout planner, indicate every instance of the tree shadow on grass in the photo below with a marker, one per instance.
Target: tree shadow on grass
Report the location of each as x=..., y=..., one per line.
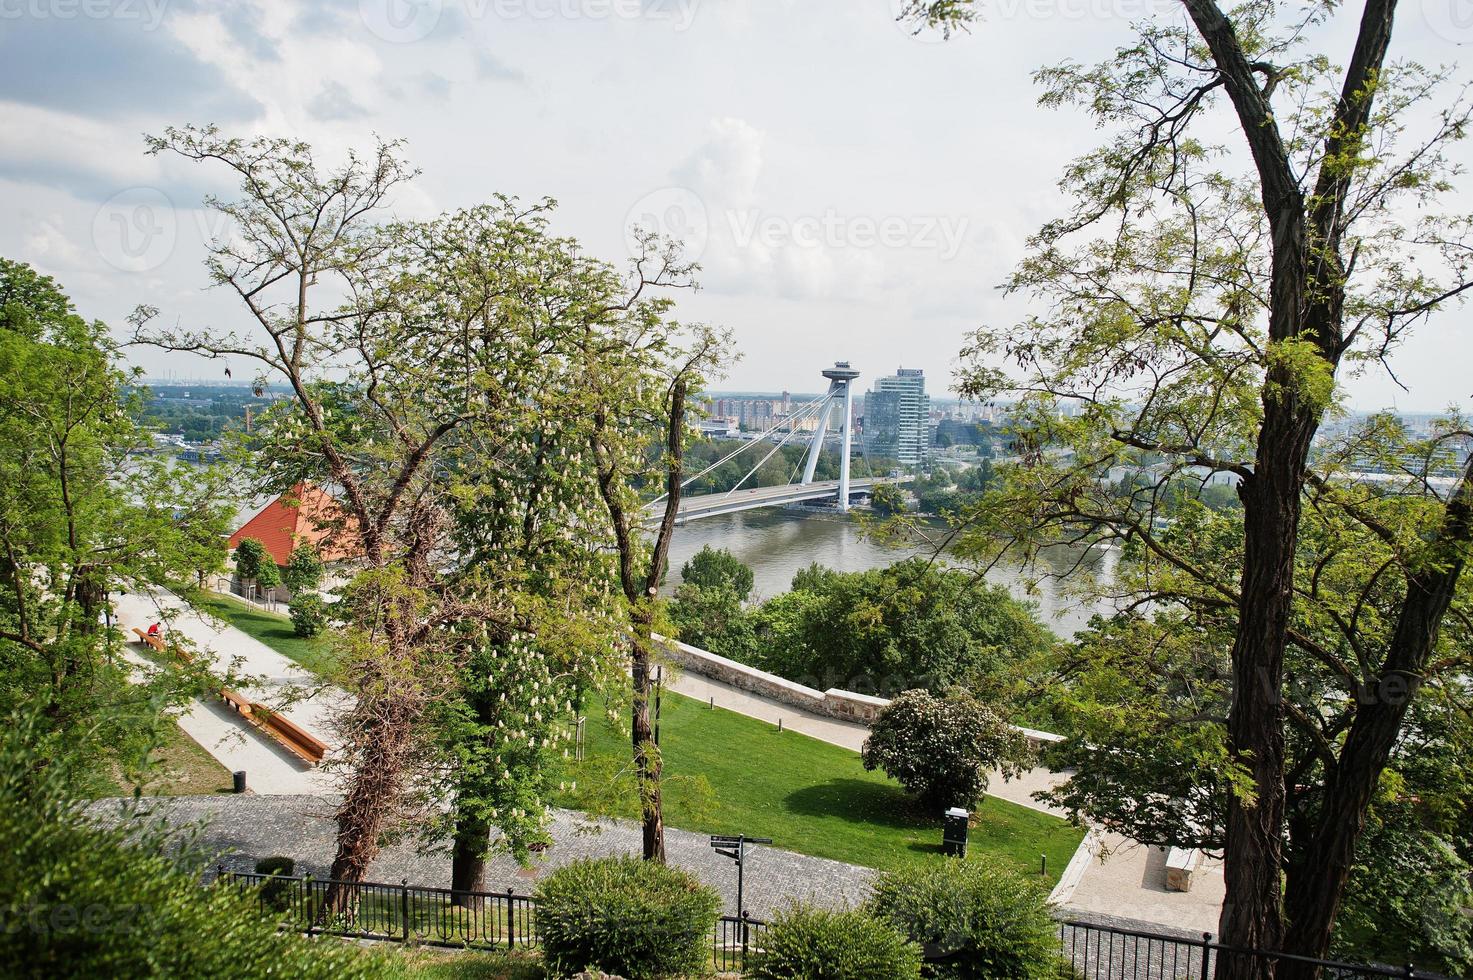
x=860, y=801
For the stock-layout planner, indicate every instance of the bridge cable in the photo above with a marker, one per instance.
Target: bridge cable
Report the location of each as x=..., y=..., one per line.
x=791, y=417
x=791, y=432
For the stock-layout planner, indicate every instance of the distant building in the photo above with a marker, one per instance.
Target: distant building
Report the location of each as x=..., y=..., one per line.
x=897, y=415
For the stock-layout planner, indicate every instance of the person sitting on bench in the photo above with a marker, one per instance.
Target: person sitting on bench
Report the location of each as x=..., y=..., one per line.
x=155, y=631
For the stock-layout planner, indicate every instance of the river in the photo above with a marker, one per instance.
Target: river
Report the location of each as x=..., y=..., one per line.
x=776, y=543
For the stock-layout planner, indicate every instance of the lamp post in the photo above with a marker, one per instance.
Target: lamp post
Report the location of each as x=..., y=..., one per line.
x=736, y=848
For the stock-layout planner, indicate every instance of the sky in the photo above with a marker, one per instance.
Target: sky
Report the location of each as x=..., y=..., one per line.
x=852, y=190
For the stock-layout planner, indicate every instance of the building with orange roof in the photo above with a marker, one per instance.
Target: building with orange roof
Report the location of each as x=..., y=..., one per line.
x=305, y=514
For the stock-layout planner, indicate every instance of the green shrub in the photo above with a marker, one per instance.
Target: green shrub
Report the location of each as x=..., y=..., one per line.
x=276, y=893
x=308, y=613
x=941, y=748
x=996, y=922
x=807, y=943
x=633, y=918
x=80, y=897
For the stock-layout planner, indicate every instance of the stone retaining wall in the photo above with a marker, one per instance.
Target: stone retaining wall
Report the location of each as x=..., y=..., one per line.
x=833, y=703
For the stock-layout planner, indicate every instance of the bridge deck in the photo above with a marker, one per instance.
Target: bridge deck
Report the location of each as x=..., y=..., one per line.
x=712, y=504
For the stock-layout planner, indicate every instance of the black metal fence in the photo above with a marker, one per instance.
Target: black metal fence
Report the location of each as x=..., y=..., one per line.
x=506, y=920
x=1100, y=952
x=437, y=916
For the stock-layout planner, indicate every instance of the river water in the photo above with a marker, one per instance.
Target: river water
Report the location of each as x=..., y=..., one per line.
x=776, y=543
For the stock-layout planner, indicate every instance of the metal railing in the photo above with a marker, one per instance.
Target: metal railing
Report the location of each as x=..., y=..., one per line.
x=1101, y=952
x=506, y=920
x=437, y=916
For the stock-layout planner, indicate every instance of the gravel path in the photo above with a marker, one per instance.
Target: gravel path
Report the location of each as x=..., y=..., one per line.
x=241, y=829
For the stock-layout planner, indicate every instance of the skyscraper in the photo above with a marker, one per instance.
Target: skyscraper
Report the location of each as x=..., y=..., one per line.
x=897, y=417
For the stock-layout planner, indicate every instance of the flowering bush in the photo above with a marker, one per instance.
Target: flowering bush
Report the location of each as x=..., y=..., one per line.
x=942, y=748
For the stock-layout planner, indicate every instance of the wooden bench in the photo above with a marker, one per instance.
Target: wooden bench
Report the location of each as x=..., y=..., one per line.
x=157, y=642
x=287, y=734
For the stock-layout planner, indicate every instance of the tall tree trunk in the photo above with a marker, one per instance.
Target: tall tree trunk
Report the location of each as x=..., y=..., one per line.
x=1254, y=833
x=472, y=841
x=1317, y=879
x=374, y=793
x=647, y=762
x=468, y=859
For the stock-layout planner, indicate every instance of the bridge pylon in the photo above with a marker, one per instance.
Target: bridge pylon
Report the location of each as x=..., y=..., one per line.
x=841, y=392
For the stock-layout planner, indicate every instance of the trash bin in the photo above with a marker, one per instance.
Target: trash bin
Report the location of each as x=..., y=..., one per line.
x=954, y=832
x=239, y=783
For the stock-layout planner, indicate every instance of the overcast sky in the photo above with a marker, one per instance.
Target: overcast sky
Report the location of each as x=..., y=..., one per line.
x=853, y=192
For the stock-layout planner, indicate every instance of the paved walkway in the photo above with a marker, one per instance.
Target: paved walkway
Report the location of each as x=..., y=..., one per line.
x=279, y=682
x=242, y=829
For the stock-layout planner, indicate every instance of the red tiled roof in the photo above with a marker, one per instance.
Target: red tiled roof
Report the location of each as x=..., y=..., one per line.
x=298, y=516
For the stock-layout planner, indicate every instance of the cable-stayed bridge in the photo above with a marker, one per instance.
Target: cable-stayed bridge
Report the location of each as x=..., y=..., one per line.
x=839, y=400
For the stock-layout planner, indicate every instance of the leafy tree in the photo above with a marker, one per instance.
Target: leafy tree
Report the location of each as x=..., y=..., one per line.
x=250, y=556
x=941, y=749
x=380, y=386
x=304, y=569
x=888, y=500
x=84, y=513
x=268, y=577
x=308, y=613
x=714, y=619
x=717, y=568
x=913, y=624
x=642, y=373
x=1196, y=319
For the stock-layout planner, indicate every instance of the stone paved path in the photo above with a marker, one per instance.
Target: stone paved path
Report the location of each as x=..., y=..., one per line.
x=241, y=829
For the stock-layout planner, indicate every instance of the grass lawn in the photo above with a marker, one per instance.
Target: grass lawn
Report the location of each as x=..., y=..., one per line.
x=426, y=963
x=274, y=630
x=808, y=796
x=182, y=767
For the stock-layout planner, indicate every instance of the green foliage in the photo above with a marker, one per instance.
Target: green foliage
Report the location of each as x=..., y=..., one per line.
x=308, y=613
x=717, y=568
x=85, y=511
x=911, y=625
x=268, y=576
x=638, y=919
x=276, y=894
x=1408, y=898
x=250, y=555
x=809, y=943
x=888, y=500
x=985, y=923
x=942, y=748
x=122, y=898
x=714, y=619
x=304, y=569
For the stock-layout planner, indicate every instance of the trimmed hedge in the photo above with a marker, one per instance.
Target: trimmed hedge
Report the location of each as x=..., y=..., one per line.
x=276, y=893
x=637, y=919
x=808, y=943
x=994, y=922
